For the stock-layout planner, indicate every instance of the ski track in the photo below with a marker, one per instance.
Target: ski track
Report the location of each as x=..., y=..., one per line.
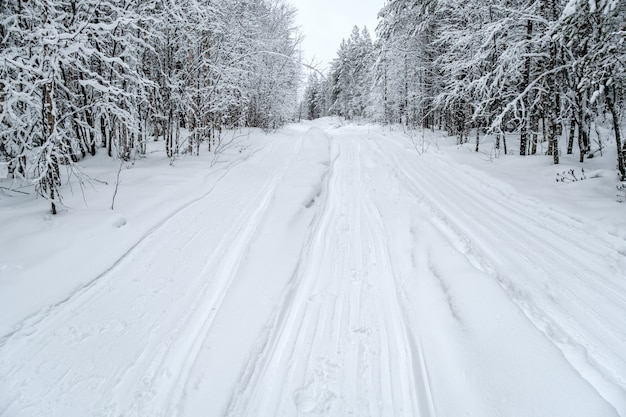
x=161, y=321
x=375, y=320
x=22, y=327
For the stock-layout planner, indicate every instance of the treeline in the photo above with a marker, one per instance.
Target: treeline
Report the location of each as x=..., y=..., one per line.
x=78, y=75
x=539, y=68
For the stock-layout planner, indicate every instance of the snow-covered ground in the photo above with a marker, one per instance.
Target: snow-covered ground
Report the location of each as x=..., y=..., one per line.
x=324, y=270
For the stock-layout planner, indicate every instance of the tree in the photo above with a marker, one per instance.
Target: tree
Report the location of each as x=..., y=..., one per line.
x=594, y=34
x=316, y=97
x=350, y=75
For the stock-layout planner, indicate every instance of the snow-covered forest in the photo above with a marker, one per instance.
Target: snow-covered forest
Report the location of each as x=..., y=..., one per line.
x=543, y=70
x=176, y=241
x=80, y=75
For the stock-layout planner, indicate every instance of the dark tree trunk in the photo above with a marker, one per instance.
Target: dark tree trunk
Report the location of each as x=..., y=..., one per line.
x=534, y=127
x=477, y=136
x=523, y=144
x=618, y=137
x=570, y=138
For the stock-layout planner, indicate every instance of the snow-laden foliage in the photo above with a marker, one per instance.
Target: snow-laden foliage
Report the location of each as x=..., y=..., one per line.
x=346, y=90
x=77, y=75
x=544, y=69
x=350, y=75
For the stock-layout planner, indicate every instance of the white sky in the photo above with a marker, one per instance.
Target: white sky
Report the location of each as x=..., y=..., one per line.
x=325, y=23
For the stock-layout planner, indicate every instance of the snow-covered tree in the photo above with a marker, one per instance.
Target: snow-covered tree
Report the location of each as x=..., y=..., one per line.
x=316, y=97
x=69, y=78
x=594, y=34
x=533, y=67
x=78, y=75
x=274, y=71
x=350, y=75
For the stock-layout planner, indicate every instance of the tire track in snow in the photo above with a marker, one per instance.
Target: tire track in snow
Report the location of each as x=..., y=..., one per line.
x=159, y=327
x=275, y=357
x=339, y=343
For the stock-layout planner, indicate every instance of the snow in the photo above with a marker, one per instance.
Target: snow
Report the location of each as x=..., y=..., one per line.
x=323, y=270
x=570, y=8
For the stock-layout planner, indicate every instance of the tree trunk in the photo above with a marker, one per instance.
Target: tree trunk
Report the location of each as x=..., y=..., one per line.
x=534, y=128
x=570, y=138
x=583, y=137
x=523, y=140
x=523, y=144
x=53, y=179
x=618, y=137
x=50, y=179
x=553, y=140
x=477, y=136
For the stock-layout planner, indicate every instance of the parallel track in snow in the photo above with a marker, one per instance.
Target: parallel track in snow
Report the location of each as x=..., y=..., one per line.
x=25, y=326
x=560, y=275
x=155, y=306
x=340, y=343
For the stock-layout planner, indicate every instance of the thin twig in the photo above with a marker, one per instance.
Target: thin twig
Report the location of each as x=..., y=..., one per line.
x=117, y=184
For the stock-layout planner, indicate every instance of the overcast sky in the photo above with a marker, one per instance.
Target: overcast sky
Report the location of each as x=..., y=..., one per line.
x=325, y=23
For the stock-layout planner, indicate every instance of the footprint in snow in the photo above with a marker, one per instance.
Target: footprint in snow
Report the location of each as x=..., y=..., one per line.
x=313, y=398
x=119, y=223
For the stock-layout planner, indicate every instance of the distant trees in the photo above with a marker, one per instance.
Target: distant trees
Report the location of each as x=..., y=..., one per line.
x=275, y=68
x=350, y=75
x=78, y=75
x=404, y=72
x=346, y=90
x=545, y=69
x=317, y=97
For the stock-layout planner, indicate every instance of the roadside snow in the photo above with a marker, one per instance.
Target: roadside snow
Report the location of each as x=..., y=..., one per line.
x=59, y=255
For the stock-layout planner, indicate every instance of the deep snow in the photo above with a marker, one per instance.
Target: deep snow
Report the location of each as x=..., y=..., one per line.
x=324, y=270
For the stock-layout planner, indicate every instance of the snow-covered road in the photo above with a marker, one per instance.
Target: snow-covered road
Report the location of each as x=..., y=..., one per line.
x=336, y=272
